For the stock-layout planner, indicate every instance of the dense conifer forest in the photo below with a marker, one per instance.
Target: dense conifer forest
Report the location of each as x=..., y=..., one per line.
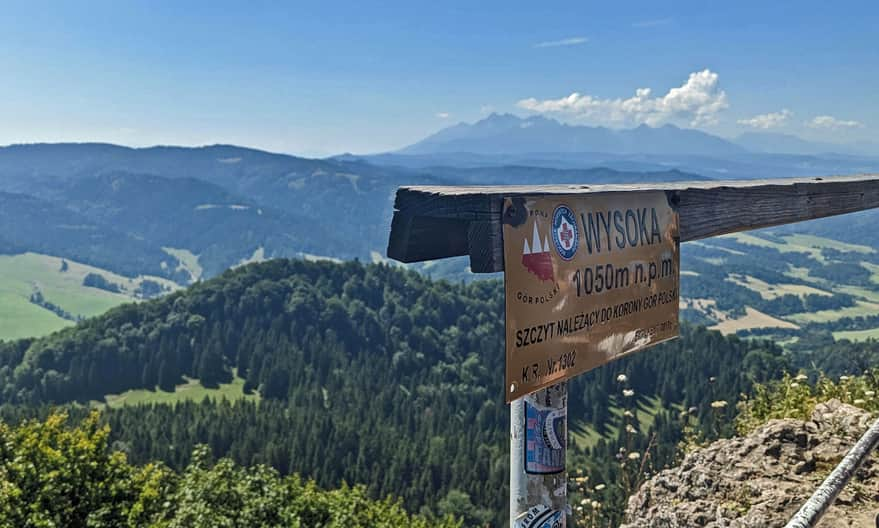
x=368, y=374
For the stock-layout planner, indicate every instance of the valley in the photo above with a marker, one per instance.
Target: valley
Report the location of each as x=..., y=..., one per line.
x=268, y=359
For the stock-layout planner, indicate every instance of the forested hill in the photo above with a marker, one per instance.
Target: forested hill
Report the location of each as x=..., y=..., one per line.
x=283, y=324
x=368, y=374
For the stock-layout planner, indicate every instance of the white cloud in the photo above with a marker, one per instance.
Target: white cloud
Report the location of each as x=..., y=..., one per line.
x=486, y=109
x=832, y=123
x=443, y=115
x=652, y=23
x=766, y=121
x=698, y=101
x=573, y=41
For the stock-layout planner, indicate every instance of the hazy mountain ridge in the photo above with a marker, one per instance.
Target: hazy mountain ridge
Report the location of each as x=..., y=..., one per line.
x=504, y=140
x=505, y=174
x=33, y=224
x=220, y=226
x=777, y=142
x=281, y=204
x=506, y=133
x=225, y=204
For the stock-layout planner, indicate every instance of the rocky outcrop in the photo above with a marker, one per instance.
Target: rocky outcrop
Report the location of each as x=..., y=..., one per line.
x=760, y=480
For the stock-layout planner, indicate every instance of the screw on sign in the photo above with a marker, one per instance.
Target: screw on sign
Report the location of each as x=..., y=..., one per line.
x=541, y=516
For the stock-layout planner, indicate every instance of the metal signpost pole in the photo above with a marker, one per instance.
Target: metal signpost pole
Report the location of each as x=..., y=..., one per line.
x=538, y=441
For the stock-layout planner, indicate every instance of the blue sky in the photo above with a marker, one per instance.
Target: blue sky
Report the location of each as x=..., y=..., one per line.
x=317, y=78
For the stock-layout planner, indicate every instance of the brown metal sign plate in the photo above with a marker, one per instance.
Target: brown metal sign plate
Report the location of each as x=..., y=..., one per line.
x=588, y=278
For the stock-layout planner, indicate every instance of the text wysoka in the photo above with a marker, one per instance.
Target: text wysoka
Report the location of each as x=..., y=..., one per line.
x=629, y=228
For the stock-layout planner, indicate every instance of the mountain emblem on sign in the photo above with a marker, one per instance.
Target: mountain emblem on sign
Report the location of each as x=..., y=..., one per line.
x=536, y=257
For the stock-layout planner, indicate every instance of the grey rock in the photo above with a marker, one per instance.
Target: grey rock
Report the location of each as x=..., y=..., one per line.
x=761, y=480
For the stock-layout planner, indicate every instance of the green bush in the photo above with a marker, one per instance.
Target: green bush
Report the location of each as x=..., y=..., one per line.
x=52, y=475
x=796, y=397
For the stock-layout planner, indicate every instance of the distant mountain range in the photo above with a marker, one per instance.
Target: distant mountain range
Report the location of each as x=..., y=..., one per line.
x=772, y=142
x=508, y=134
x=146, y=211
x=507, y=140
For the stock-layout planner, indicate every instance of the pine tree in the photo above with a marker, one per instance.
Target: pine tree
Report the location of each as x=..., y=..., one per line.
x=166, y=377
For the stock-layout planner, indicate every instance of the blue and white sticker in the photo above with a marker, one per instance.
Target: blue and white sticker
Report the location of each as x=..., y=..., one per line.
x=541, y=516
x=545, y=432
x=565, y=233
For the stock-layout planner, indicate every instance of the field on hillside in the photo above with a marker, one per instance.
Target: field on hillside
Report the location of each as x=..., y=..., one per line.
x=752, y=319
x=857, y=335
x=736, y=284
x=191, y=390
x=644, y=412
x=23, y=275
x=762, y=282
x=19, y=318
x=188, y=262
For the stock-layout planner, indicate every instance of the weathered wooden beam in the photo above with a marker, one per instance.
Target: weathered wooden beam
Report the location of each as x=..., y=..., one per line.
x=432, y=222
x=417, y=235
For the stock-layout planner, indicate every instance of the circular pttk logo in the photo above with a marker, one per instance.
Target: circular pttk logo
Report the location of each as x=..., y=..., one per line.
x=565, y=233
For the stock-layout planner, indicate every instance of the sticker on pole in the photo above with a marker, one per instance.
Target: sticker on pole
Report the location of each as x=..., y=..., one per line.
x=588, y=278
x=545, y=433
x=541, y=516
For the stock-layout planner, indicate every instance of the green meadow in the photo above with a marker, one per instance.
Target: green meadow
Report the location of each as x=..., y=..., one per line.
x=22, y=275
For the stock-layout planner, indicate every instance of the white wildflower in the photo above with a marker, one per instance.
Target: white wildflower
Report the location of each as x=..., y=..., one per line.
x=801, y=377
x=859, y=401
x=628, y=393
x=630, y=429
x=719, y=404
x=628, y=414
x=844, y=378
x=622, y=378
x=599, y=487
x=634, y=455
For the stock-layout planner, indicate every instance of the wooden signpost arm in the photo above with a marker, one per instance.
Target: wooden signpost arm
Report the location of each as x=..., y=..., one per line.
x=438, y=222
